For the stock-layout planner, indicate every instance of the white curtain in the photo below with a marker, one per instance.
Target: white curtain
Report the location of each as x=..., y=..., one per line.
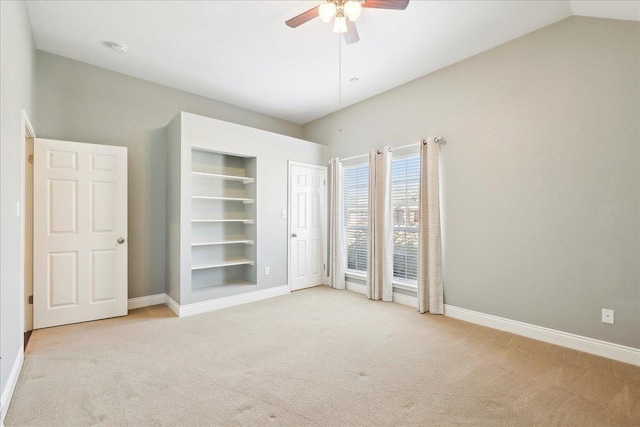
x=430, y=294
x=336, y=231
x=380, y=262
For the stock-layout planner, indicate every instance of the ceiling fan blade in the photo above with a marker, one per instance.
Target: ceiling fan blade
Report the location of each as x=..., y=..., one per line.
x=351, y=36
x=386, y=4
x=303, y=17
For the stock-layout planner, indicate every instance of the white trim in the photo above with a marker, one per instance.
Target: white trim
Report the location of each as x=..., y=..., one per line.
x=220, y=303
x=397, y=297
x=565, y=339
x=27, y=133
x=10, y=387
x=356, y=287
x=412, y=150
x=359, y=160
x=405, y=300
x=146, y=301
x=173, y=306
x=27, y=124
x=307, y=165
x=601, y=348
x=289, y=225
x=405, y=286
x=354, y=274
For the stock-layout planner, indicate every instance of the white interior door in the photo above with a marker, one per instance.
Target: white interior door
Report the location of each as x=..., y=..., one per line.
x=307, y=213
x=79, y=232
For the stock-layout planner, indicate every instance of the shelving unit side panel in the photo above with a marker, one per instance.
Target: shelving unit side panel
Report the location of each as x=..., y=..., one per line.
x=251, y=251
x=185, y=203
x=173, y=133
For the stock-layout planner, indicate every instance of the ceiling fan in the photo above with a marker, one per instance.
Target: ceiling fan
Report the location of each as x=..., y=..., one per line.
x=346, y=12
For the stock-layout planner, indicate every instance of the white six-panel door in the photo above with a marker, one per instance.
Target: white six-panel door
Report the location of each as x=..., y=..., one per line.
x=307, y=213
x=80, y=231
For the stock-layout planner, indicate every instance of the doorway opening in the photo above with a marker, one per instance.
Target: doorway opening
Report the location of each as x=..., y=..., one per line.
x=26, y=215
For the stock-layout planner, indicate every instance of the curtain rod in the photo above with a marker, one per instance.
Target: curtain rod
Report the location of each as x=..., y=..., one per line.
x=354, y=157
x=436, y=139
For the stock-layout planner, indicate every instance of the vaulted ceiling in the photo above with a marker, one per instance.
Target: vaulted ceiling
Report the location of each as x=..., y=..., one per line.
x=242, y=53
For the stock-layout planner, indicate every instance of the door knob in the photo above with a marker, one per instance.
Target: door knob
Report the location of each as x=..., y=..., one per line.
x=121, y=240
x=294, y=234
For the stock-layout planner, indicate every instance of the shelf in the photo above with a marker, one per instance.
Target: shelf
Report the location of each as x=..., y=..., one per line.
x=244, y=179
x=223, y=242
x=223, y=264
x=207, y=288
x=244, y=221
x=229, y=199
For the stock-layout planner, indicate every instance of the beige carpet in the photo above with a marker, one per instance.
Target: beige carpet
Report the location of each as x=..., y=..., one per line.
x=315, y=357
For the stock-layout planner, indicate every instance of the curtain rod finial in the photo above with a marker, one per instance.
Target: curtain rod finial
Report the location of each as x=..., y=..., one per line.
x=436, y=139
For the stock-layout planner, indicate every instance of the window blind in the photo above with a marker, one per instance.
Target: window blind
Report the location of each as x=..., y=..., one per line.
x=355, y=181
x=405, y=191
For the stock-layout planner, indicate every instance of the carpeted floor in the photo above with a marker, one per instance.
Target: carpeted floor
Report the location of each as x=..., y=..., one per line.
x=315, y=357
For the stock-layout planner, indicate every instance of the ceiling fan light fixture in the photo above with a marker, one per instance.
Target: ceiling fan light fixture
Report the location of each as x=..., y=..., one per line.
x=352, y=9
x=340, y=26
x=326, y=11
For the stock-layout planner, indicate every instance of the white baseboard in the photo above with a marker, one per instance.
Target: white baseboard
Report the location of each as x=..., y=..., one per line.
x=9, y=388
x=147, y=301
x=397, y=297
x=613, y=351
x=172, y=304
x=405, y=300
x=220, y=303
x=606, y=349
x=356, y=287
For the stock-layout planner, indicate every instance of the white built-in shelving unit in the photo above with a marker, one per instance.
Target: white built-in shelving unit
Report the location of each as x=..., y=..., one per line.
x=227, y=233
x=222, y=219
x=211, y=218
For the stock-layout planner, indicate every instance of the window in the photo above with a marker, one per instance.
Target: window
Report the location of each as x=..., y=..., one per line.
x=355, y=181
x=405, y=192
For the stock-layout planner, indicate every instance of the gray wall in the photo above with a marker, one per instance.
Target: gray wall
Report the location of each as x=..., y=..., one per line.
x=540, y=173
x=17, y=56
x=80, y=102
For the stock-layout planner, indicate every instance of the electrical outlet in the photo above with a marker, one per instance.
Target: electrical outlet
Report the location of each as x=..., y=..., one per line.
x=266, y=271
x=607, y=316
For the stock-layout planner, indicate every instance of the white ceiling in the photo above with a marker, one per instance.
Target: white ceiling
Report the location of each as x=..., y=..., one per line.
x=241, y=52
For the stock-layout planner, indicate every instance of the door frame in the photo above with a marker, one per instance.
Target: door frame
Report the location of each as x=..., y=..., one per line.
x=27, y=133
x=292, y=163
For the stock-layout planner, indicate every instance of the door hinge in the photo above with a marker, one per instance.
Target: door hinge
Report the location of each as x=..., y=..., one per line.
x=30, y=299
x=324, y=266
x=30, y=159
